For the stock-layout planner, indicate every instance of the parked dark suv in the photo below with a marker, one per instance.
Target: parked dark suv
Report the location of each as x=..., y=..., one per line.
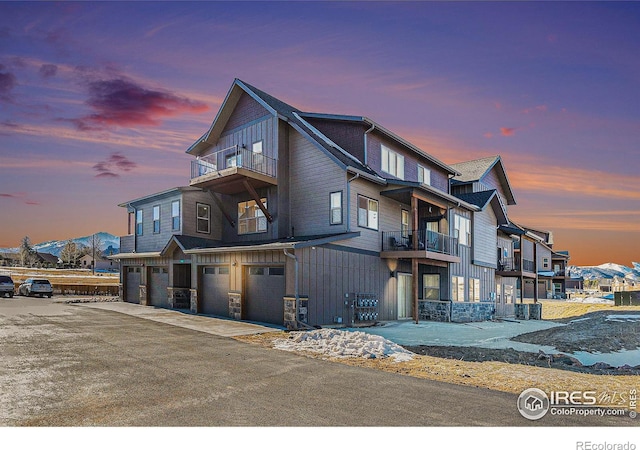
x=6, y=286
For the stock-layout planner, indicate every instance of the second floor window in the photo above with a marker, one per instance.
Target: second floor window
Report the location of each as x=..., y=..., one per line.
x=336, y=208
x=203, y=212
x=392, y=163
x=139, y=222
x=404, y=223
x=251, y=219
x=367, y=212
x=462, y=227
x=424, y=175
x=156, y=219
x=175, y=215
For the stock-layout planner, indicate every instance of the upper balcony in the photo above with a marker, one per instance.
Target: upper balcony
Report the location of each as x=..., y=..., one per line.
x=228, y=170
x=422, y=244
x=511, y=267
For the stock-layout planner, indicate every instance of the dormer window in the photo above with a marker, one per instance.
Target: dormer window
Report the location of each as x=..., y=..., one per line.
x=392, y=162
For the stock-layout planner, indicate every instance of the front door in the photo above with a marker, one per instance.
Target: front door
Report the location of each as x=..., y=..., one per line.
x=404, y=296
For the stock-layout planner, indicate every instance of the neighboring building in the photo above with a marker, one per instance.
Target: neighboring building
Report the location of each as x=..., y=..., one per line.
x=9, y=259
x=101, y=263
x=46, y=260
x=322, y=219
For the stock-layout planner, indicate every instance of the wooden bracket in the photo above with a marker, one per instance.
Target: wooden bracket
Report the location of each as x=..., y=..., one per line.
x=218, y=202
x=257, y=199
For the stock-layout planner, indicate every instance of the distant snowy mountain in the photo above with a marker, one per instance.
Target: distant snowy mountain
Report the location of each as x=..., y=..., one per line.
x=110, y=243
x=607, y=270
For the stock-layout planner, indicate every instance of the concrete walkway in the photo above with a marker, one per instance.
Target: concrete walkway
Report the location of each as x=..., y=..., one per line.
x=184, y=319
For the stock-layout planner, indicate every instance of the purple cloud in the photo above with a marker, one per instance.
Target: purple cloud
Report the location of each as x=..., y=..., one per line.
x=115, y=163
x=7, y=83
x=48, y=70
x=120, y=102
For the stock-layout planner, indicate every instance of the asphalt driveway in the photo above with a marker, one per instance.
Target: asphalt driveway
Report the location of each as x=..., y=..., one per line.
x=65, y=365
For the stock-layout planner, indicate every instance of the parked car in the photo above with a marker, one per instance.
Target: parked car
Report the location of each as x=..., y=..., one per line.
x=36, y=286
x=6, y=286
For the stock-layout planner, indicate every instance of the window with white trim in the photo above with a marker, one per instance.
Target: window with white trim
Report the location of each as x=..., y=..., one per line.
x=203, y=213
x=457, y=289
x=156, y=219
x=251, y=219
x=404, y=223
x=367, y=212
x=139, y=222
x=474, y=289
x=336, y=208
x=462, y=229
x=424, y=175
x=392, y=162
x=175, y=215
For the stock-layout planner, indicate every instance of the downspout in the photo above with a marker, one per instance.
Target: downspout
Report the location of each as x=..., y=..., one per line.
x=366, y=155
x=355, y=177
x=296, y=287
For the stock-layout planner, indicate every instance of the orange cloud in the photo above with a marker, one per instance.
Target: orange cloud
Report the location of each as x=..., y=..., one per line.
x=507, y=131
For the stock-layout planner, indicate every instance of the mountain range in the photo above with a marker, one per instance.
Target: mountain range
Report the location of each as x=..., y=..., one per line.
x=110, y=244
x=608, y=270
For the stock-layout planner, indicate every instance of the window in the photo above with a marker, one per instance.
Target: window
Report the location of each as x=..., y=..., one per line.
x=251, y=219
x=545, y=263
x=404, y=224
x=139, y=222
x=424, y=175
x=257, y=147
x=431, y=287
x=175, y=215
x=462, y=226
x=156, y=219
x=474, y=290
x=336, y=208
x=457, y=289
x=203, y=218
x=392, y=163
x=367, y=212
x=234, y=161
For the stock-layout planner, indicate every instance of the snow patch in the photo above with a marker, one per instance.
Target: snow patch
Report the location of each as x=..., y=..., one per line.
x=591, y=300
x=623, y=318
x=343, y=344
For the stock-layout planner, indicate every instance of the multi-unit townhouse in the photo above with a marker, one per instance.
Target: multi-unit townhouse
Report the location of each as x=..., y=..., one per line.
x=298, y=218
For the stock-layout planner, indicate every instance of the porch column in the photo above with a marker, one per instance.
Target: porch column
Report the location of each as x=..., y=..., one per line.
x=414, y=286
x=414, y=261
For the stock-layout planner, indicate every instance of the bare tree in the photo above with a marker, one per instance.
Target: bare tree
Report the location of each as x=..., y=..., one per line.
x=27, y=253
x=96, y=247
x=70, y=253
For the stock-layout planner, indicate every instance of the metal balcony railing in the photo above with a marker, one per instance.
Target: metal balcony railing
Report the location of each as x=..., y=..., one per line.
x=513, y=265
x=427, y=240
x=230, y=157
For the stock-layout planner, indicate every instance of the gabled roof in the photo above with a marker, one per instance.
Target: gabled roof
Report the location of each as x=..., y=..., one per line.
x=47, y=257
x=376, y=126
x=483, y=198
x=158, y=195
x=287, y=113
x=476, y=170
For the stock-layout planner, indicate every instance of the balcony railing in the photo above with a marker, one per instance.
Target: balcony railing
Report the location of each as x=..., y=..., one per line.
x=215, y=163
x=431, y=241
x=513, y=265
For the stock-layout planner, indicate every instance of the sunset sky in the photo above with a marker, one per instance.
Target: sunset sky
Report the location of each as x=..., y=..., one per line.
x=99, y=101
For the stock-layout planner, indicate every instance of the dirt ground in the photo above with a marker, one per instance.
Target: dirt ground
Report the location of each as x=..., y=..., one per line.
x=591, y=332
x=513, y=371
